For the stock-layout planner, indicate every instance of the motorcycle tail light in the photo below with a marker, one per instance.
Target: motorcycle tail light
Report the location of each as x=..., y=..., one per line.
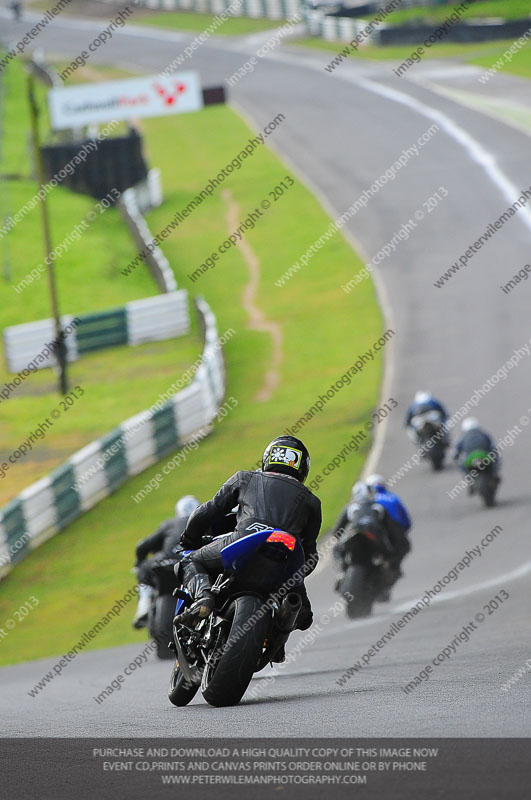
x=370, y=535
x=284, y=538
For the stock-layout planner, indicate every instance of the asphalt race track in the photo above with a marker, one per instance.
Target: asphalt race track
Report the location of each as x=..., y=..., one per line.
x=342, y=131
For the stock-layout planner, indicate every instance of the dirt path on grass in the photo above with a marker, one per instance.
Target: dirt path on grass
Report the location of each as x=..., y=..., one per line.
x=257, y=319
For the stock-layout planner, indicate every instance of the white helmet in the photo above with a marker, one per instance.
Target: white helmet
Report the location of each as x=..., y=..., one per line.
x=375, y=481
x=469, y=424
x=422, y=397
x=360, y=492
x=185, y=506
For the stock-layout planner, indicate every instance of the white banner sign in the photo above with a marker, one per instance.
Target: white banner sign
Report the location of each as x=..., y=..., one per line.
x=154, y=96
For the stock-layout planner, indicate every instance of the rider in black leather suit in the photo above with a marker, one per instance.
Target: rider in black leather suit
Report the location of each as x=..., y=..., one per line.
x=271, y=497
x=156, y=573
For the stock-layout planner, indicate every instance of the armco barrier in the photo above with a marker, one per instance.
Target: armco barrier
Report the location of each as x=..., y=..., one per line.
x=98, y=469
x=342, y=29
x=130, y=205
x=269, y=9
x=148, y=320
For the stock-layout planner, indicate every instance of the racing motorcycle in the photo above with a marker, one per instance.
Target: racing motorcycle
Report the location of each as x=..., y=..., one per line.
x=365, y=551
x=426, y=426
x=248, y=625
x=163, y=603
x=162, y=611
x=481, y=469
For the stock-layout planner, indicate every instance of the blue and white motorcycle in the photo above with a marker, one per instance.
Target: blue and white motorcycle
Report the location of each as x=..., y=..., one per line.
x=253, y=617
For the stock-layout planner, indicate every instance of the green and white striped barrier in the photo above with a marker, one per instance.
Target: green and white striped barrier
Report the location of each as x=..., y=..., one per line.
x=98, y=469
x=340, y=29
x=268, y=9
x=30, y=346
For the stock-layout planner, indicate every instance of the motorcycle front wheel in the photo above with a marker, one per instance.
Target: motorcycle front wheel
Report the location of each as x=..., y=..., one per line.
x=180, y=692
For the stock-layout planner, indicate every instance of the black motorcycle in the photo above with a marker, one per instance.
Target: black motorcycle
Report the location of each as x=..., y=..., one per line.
x=162, y=609
x=364, y=552
x=163, y=603
x=481, y=469
x=429, y=426
x=249, y=624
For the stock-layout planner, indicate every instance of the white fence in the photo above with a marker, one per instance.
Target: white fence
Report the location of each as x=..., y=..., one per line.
x=98, y=469
x=270, y=9
x=31, y=346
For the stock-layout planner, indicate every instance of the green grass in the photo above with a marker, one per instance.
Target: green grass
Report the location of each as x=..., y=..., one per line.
x=506, y=9
x=171, y=20
x=483, y=54
x=183, y=21
x=119, y=382
x=520, y=63
x=78, y=574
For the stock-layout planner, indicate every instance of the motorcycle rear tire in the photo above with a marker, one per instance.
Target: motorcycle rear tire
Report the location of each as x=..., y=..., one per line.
x=356, y=583
x=437, y=457
x=161, y=626
x=231, y=676
x=487, y=489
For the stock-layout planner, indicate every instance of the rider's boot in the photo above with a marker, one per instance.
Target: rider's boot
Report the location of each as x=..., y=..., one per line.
x=145, y=593
x=200, y=588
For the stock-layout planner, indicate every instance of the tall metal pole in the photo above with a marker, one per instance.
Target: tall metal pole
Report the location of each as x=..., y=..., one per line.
x=60, y=350
x=4, y=191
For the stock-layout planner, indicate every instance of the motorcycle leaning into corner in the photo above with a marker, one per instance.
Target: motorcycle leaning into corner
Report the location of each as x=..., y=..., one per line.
x=427, y=430
x=483, y=477
x=249, y=624
x=364, y=553
x=162, y=610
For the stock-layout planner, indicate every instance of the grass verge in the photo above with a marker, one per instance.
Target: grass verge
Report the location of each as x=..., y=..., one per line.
x=483, y=54
x=118, y=382
x=435, y=14
x=196, y=23
x=78, y=574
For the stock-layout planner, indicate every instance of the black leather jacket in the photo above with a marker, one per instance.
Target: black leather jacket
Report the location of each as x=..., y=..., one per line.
x=164, y=540
x=267, y=498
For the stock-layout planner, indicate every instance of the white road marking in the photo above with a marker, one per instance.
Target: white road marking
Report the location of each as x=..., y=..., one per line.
x=508, y=577
x=475, y=149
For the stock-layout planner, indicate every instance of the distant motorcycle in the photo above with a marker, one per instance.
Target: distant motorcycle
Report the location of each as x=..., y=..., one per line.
x=365, y=551
x=162, y=612
x=16, y=8
x=248, y=625
x=426, y=427
x=480, y=468
x=163, y=602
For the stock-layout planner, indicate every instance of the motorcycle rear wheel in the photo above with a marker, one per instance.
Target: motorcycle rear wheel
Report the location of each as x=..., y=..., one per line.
x=161, y=626
x=487, y=489
x=226, y=681
x=437, y=457
x=355, y=582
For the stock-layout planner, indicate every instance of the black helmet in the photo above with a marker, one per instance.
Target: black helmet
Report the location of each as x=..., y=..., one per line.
x=287, y=455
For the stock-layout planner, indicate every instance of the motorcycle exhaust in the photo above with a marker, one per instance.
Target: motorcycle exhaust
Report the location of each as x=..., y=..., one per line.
x=283, y=626
x=288, y=612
